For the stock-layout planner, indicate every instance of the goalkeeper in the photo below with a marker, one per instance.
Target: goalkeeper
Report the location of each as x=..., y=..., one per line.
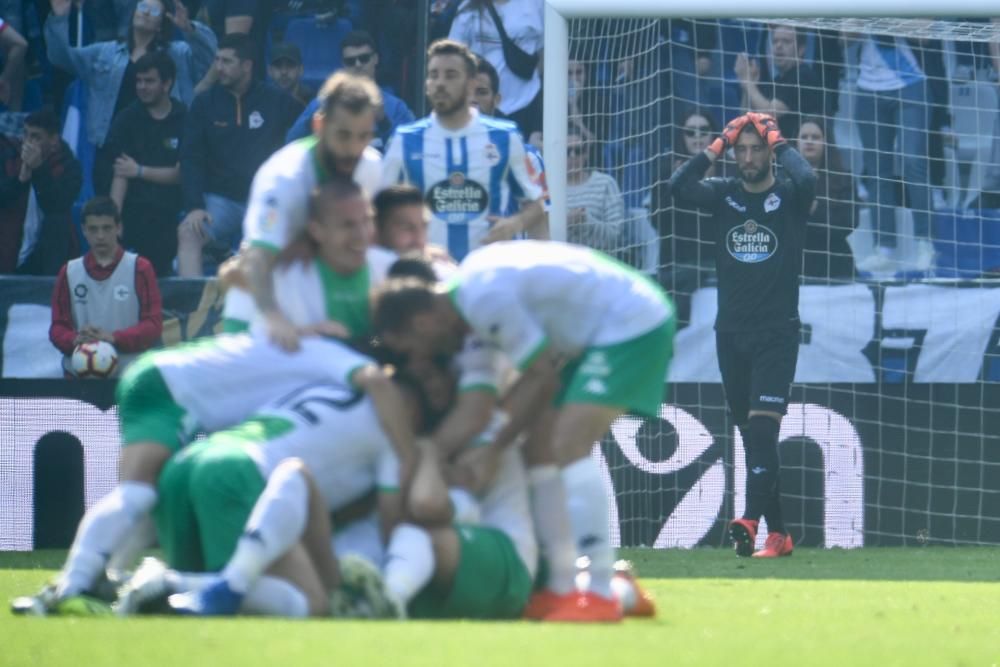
x=759, y=227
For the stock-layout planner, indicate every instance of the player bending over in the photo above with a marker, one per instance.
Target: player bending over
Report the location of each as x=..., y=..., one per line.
x=540, y=303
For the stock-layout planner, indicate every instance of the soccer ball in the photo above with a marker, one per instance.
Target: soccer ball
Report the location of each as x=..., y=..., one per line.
x=94, y=360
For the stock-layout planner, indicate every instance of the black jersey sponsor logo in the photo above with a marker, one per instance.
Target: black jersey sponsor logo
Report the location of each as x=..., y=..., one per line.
x=457, y=199
x=751, y=242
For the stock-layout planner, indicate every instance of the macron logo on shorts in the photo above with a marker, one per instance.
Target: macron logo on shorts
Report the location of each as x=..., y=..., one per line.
x=771, y=399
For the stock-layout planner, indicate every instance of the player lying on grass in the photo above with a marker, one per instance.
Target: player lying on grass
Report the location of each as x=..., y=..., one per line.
x=238, y=503
x=462, y=571
x=482, y=565
x=167, y=396
x=474, y=407
x=474, y=553
x=296, y=584
x=538, y=303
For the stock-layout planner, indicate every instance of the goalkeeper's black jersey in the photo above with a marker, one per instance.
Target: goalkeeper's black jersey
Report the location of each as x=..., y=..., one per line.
x=758, y=239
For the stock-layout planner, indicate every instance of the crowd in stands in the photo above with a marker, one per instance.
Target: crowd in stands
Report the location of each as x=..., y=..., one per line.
x=182, y=101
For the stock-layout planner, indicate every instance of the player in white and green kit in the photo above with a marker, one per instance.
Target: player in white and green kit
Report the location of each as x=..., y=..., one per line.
x=278, y=206
x=242, y=494
x=167, y=396
x=332, y=284
x=544, y=304
x=482, y=568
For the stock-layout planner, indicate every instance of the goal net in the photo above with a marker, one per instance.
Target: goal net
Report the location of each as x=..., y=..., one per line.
x=893, y=435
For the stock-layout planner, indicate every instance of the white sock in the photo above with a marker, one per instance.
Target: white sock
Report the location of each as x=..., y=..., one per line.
x=102, y=531
x=141, y=537
x=409, y=562
x=271, y=596
x=275, y=525
x=588, y=512
x=552, y=525
x=465, y=506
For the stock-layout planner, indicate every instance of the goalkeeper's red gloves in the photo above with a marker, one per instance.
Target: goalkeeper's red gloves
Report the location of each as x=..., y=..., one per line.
x=729, y=135
x=767, y=128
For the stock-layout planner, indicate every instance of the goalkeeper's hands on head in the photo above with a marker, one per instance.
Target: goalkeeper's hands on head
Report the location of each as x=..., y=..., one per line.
x=767, y=128
x=729, y=135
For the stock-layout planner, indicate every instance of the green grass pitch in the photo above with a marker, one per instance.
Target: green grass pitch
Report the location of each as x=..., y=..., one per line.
x=912, y=606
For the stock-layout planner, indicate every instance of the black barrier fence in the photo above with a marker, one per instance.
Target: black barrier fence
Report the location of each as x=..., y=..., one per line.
x=900, y=464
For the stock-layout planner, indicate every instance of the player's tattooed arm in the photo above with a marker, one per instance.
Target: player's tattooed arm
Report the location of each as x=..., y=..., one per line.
x=258, y=266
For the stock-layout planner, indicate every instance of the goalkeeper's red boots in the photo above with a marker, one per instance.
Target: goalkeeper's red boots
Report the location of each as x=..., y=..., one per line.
x=777, y=545
x=743, y=533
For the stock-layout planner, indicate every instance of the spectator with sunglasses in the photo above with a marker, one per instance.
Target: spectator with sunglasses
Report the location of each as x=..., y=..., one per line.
x=108, y=68
x=360, y=57
x=685, y=245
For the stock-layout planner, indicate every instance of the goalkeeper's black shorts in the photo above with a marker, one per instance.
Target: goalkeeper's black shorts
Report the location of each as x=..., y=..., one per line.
x=757, y=369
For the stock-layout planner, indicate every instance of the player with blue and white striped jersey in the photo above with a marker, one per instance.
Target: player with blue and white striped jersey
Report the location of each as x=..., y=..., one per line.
x=463, y=161
x=486, y=97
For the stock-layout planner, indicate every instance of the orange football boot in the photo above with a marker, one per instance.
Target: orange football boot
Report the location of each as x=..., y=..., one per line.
x=743, y=533
x=776, y=545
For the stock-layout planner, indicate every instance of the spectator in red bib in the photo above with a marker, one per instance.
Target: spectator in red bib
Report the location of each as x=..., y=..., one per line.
x=108, y=294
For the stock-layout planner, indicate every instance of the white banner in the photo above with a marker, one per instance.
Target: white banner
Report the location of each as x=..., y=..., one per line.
x=952, y=327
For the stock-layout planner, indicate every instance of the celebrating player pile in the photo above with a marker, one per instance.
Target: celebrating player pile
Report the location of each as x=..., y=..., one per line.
x=299, y=426
x=560, y=314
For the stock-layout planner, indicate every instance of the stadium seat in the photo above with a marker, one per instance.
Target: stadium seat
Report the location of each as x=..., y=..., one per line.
x=320, y=45
x=975, y=121
x=967, y=243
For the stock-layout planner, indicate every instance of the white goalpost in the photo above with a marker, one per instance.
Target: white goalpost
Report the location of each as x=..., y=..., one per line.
x=893, y=430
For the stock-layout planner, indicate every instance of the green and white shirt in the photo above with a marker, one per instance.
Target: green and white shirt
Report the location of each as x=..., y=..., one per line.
x=220, y=381
x=310, y=292
x=335, y=431
x=524, y=296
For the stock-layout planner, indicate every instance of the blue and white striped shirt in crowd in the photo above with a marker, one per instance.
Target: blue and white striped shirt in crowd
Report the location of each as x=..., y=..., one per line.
x=465, y=175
